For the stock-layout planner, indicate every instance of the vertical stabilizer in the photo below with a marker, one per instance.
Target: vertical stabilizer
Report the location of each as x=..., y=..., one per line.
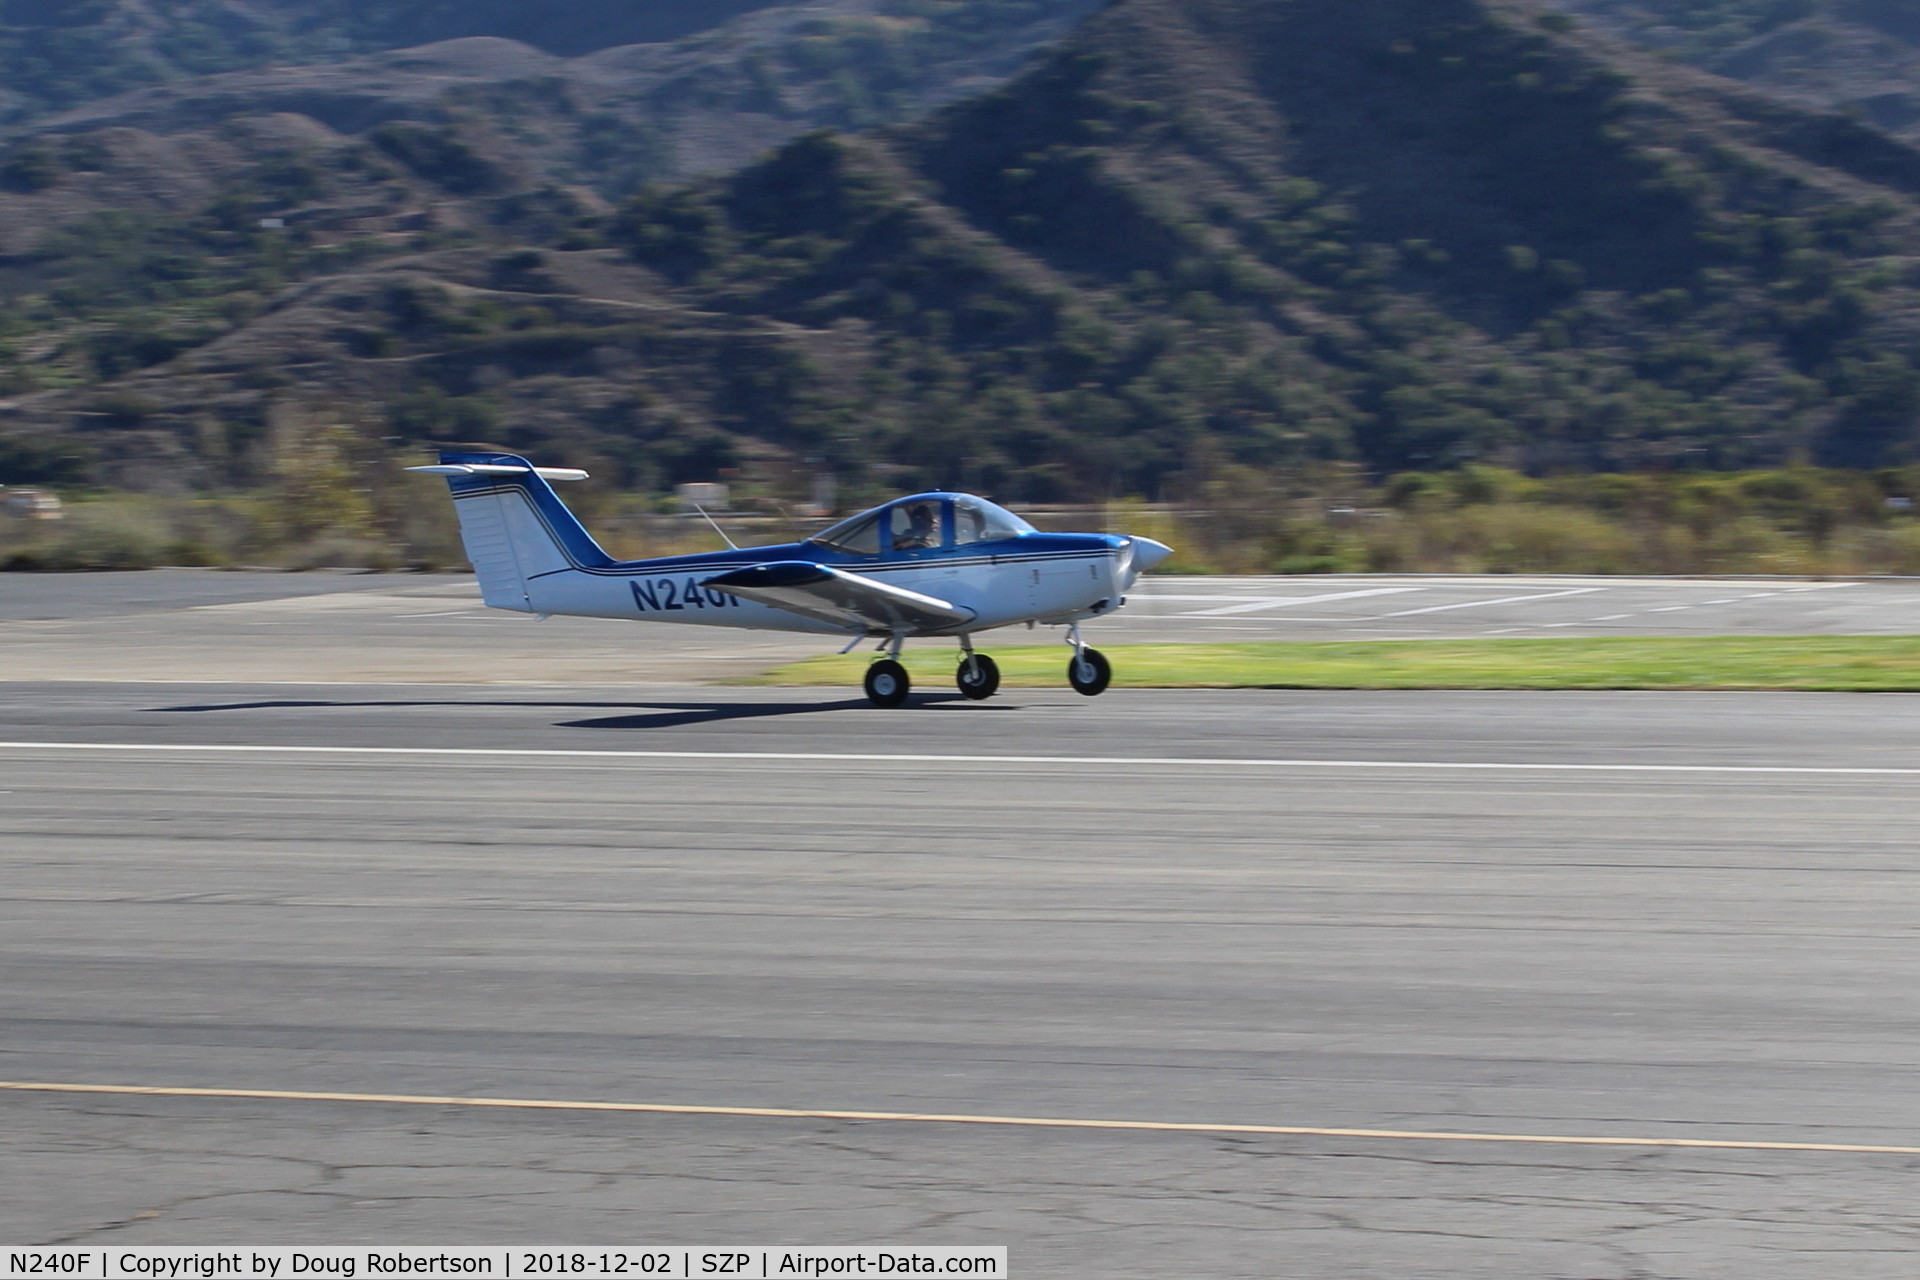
x=513, y=525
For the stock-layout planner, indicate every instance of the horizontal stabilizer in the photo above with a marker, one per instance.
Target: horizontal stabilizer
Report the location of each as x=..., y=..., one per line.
x=831, y=595
x=495, y=469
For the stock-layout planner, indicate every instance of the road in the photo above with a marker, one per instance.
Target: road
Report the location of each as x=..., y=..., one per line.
x=1560, y=915
x=204, y=625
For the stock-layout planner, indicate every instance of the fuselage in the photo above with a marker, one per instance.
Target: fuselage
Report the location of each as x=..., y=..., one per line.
x=926, y=564
x=929, y=564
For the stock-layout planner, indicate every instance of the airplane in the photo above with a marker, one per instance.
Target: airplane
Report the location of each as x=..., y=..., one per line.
x=929, y=564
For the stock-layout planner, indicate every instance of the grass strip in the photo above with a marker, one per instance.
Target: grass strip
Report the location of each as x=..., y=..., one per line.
x=1883, y=664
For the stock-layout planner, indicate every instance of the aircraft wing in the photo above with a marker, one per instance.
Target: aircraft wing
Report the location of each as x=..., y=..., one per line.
x=844, y=599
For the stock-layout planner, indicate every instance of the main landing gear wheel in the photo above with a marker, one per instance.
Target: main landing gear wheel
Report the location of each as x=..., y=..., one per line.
x=978, y=677
x=887, y=683
x=1089, y=672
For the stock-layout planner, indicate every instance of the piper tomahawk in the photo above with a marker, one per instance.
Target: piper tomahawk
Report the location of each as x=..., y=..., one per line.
x=931, y=564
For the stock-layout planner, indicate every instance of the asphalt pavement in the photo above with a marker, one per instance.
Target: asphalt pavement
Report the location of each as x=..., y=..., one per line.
x=1654, y=917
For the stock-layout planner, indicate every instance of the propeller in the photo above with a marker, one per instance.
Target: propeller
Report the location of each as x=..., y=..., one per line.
x=1147, y=553
x=1137, y=555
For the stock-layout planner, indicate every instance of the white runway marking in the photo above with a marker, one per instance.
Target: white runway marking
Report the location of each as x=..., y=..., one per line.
x=1143, y=594
x=834, y=757
x=1478, y=604
x=1287, y=602
x=1186, y=619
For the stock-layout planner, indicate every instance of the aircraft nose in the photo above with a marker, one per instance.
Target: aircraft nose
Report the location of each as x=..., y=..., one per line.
x=1147, y=553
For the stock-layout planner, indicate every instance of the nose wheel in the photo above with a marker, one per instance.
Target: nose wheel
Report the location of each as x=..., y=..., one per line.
x=1089, y=672
x=978, y=676
x=887, y=684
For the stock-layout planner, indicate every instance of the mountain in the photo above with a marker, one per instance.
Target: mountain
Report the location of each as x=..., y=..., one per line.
x=60, y=53
x=1268, y=231
x=608, y=114
x=137, y=225
x=1201, y=240
x=1857, y=56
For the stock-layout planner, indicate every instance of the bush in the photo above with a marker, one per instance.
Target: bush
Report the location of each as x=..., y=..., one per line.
x=43, y=461
x=90, y=538
x=342, y=551
x=439, y=156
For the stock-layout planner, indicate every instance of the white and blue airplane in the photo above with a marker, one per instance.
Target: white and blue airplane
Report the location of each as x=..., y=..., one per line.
x=932, y=564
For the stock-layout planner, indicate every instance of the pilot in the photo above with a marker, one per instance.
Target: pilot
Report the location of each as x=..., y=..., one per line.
x=920, y=529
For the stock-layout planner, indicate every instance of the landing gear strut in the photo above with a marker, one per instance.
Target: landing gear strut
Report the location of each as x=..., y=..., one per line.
x=1089, y=672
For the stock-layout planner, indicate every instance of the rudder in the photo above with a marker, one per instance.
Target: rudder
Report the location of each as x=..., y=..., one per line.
x=513, y=526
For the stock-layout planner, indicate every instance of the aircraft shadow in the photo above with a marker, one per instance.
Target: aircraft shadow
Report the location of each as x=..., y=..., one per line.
x=288, y=703
x=639, y=715
x=670, y=717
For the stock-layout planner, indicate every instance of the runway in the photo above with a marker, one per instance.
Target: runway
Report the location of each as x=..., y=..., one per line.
x=1368, y=917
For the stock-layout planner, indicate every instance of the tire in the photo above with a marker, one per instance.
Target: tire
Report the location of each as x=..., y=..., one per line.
x=978, y=679
x=887, y=684
x=1089, y=672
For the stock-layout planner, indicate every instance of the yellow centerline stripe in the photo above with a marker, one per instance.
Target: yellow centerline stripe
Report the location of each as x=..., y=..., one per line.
x=916, y=1117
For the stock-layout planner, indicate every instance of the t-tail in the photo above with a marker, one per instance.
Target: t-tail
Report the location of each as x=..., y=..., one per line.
x=513, y=525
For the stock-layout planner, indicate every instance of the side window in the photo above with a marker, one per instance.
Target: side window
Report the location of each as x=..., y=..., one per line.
x=914, y=526
x=969, y=525
x=862, y=539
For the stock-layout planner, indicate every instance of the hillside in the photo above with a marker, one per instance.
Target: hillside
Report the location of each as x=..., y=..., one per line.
x=607, y=114
x=61, y=53
x=1264, y=232
x=1204, y=239
x=1858, y=56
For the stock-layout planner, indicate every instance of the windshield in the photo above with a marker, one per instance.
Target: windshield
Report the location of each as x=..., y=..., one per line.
x=914, y=523
x=977, y=520
x=859, y=535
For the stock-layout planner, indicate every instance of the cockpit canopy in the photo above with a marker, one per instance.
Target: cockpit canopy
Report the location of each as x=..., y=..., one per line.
x=923, y=522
